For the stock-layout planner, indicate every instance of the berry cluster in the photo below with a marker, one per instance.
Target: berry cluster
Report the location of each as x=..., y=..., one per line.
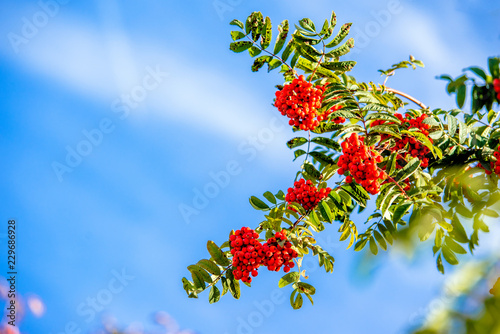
x=415, y=149
x=360, y=161
x=245, y=249
x=306, y=194
x=495, y=165
x=279, y=252
x=496, y=87
x=300, y=101
x=249, y=254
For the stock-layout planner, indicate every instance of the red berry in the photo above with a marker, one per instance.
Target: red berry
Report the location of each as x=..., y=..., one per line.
x=300, y=101
x=306, y=194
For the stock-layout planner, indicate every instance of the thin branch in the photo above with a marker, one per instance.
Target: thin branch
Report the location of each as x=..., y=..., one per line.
x=397, y=92
x=397, y=184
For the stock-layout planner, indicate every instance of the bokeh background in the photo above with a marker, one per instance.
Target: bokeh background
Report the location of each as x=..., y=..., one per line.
x=169, y=107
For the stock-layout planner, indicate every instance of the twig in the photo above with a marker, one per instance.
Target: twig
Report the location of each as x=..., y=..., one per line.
x=397, y=92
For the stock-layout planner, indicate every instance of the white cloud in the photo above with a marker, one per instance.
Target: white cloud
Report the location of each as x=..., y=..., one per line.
x=102, y=66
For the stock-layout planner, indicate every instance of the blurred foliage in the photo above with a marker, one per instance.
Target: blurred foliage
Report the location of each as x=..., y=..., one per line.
x=467, y=305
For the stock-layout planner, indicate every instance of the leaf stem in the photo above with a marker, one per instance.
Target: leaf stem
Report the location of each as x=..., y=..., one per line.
x=272, y=54
x=308, y=146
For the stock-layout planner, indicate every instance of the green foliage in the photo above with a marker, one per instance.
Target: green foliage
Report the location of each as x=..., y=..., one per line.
x=320, y=63
x=482, y=92
x=444, y=198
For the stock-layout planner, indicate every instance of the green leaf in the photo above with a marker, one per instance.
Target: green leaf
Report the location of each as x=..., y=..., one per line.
x=410, y=168
x=454, y=246
x=234, y=288
x=380, y=239
x=400, y=211
x=452, y=125
x=225, y=285
x=217, y=254
x=463, y=131
x=391, y=163
x=296, y=142
x=439, y=263
x=240, y=46
x=360, y=245
x=312, y=171
x=298, y=153
x=289, y=278
x=343, y=66
x=283, y=33
x=388, y=200
x=267, y=33
x=258, y=204
x=382, y=117
x=259, y=62
x=342, y=50
x=322, y=158
x=449, y=256
x=256, y=24
x=307, y=24
x=288, y=50
x=214, y=295
x=198, y=281
x=204, y=275
x=307, y=66
x=458, y=232
x=490, y=213
x=234, y=285
x=461, y=91
x=237, y=23
x=477, y=70
x=209, y=266
x=306, y=288
x=236, y=35
x=344, y=30
x=327, y=127
x=273, y=64
x=326, y=27
x=315, y=221
x=356, y=192
x=325, y=211
x=493, y=65
x=492, y=115
x=309, y=52
x=270, y=197
x=254, y=51
x=297, y=303
x=327, y=142
x=373, y=246
x=333, y=20
x=424, y=140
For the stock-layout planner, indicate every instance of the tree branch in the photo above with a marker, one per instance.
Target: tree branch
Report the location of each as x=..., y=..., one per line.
x=409, y=97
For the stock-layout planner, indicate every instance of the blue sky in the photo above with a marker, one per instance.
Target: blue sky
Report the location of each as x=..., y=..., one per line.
x=117, y=207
